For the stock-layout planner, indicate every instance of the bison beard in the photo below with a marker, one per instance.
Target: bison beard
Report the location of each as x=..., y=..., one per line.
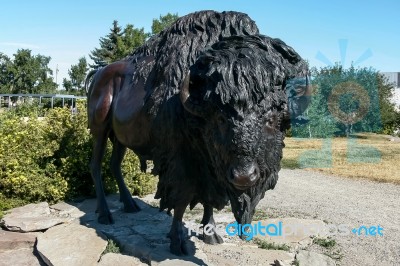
x=230, y=84
x=206, y=100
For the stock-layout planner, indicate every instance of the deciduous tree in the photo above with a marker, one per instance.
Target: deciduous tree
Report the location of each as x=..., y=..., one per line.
x=347, y=101
x=26, y=73
x=77, y=74
x=163, y=22
x=5, y=73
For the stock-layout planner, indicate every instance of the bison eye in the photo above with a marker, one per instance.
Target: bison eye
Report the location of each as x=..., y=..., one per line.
x=271, y=122
x=222, y=123
x=221, y=120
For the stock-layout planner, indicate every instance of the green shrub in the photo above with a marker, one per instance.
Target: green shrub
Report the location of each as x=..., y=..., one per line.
x=23, y=148
x=9, y=203
x=47, y=159
x=29, y=109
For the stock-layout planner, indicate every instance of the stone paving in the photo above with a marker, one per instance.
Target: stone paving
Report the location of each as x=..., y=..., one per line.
x=68, y=234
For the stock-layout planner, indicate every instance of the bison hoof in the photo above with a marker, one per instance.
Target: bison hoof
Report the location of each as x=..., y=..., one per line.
x=131, y=206
x=212, y=239
x=105, y=219
x=243, y=237
x=179, y=248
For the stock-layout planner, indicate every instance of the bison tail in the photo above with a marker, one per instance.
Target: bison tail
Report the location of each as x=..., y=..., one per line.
x=88, y=80
x=88, y=87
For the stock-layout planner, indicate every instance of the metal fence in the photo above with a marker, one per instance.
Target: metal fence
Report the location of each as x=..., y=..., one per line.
x=12, y=100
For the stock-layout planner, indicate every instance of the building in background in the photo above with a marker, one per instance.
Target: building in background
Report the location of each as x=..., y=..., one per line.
x=394, y=78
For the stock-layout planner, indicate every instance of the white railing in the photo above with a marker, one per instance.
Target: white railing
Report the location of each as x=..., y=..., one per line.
x=10, y=100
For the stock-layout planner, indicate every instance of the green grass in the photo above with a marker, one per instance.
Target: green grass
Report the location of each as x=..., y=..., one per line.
x=331, y=248
x=112, y=247
x=366, y=155
x=324, y=242
x=271, y=246
x=290, y=163
x=260, y=215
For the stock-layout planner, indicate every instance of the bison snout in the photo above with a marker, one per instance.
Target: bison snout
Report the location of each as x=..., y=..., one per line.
x=243, y=178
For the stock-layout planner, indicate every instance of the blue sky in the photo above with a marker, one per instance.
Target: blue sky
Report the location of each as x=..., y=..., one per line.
x=66, y=30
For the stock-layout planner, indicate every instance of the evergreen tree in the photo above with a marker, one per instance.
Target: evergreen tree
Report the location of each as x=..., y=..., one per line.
x=107, y=54
x=121, y=43
x=117, y=44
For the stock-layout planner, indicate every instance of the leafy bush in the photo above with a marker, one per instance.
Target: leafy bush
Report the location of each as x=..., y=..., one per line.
x=9, y=203
x=47, y=158
x=28, y=108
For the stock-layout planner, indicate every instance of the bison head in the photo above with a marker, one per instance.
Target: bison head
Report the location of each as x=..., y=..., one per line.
x=237, y=90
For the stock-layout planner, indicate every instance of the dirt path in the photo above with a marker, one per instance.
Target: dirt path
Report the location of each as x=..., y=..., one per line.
x=336, y=200
x=298, y=194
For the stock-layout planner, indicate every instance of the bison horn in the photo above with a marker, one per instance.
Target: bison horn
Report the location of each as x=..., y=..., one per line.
x=190, y=106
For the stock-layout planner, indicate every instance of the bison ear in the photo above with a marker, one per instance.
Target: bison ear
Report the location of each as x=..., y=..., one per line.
x=286, y=51
x=191, y=104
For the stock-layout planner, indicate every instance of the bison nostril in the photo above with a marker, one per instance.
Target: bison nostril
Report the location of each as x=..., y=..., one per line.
x=254, y=175
x=244, y=177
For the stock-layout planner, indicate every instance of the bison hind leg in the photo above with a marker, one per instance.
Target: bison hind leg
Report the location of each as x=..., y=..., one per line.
x=117, y=156
x=95, y=169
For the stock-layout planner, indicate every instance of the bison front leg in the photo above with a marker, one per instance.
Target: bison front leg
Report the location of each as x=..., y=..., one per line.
x=210, y=235
x=179, y=245
x=95, y=169
x=117, y=156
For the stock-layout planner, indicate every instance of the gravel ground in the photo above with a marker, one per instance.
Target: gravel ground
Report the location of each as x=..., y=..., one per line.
x=335, y=200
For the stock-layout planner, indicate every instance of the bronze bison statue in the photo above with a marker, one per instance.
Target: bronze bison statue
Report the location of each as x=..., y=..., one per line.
x=208, y=100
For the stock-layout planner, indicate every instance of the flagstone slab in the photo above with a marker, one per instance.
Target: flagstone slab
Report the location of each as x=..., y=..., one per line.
x=19, y=257
x=31, y=217
x=12, y=240
x=71, y=244
x=115, y=259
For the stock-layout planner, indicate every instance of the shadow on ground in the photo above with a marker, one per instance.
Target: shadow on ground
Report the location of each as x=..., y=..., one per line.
x=142, y=234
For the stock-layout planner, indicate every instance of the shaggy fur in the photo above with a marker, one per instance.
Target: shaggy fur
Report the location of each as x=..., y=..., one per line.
x=214, y=136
